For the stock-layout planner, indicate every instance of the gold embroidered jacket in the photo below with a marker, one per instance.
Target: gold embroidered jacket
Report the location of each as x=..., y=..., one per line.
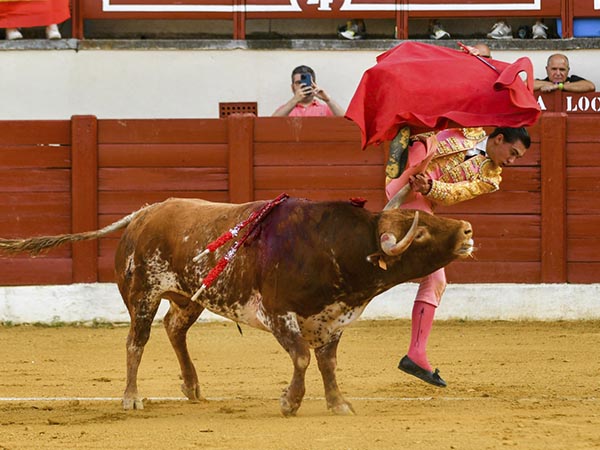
x=455, y=178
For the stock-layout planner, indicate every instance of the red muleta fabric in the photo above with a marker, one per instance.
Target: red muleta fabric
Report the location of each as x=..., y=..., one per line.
x=15, y=14
x=430, y=87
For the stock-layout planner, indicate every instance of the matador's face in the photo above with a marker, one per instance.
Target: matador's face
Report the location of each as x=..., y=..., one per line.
x=505, y=153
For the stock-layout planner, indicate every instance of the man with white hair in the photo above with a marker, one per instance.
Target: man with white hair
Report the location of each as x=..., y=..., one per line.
x=557, y=69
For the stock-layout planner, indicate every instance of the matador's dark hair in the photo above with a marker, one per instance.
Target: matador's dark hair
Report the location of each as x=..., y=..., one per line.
x=513, y=135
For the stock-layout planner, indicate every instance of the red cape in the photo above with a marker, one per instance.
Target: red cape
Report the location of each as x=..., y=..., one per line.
x=15, y=14
x=426, y=86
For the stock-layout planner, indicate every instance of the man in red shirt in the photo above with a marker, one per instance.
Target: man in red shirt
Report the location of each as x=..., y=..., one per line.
x=309, y=100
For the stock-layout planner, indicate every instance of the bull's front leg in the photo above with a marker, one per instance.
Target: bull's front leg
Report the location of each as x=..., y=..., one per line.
x=287, y=332
x=327, y=361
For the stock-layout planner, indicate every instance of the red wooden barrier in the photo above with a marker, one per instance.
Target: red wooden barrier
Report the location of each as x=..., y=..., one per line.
x=68, y=176
x=401, y=10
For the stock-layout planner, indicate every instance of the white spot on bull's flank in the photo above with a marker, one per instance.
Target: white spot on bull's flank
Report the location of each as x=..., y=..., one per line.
x=291, y=322
x=319, y=329
x=186, y=238
x=160, y=277
x=130, y=264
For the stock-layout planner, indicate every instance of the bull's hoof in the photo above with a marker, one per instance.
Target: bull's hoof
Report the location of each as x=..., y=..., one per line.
x=132, y=403
x=193, y=393
x=343, y=409
x=288, y=409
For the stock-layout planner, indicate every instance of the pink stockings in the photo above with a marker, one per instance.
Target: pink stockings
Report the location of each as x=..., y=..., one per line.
x=428, y=298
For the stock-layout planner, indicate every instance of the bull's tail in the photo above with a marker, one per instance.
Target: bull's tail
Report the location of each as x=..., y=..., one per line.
x=35, y=245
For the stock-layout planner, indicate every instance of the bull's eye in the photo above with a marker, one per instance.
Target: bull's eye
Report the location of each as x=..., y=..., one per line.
x=422, y=234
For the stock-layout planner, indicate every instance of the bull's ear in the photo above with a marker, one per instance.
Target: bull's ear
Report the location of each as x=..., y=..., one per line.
x=377, y=260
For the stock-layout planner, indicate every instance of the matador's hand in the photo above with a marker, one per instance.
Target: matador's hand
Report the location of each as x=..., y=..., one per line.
x=420, y=183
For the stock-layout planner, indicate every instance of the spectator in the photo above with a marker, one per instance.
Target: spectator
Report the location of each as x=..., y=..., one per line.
x=558, y=78
x=462, y=164
x=484, y=50
x=26, y=14
x=308, y=100
x=478, y=49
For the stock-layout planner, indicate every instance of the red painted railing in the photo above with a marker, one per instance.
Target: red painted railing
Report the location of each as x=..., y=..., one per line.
x=239, y=11
x=69, y=176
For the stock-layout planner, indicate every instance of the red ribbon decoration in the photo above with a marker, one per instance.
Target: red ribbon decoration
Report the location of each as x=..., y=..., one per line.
x=253, y=220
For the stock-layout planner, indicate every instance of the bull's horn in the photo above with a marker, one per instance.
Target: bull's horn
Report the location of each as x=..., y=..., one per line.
x=398, y=198
x=388, y=240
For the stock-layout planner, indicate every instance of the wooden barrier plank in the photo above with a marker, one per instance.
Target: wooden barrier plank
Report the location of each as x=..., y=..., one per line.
x=554, y=203
x=507, y=249
x=106, y=269
x=35, y=180
x=170, y=178
x=25, y=132
x=240, y=139
x=36, y=156
x=121, y=203
x=16, y=226
x=108, y=246
x=583, y=226
x=162, y=155
x=91, y=9
x=33, y=271
x=470, y=271
x=306, y=129
x=84, y=193
x=162, y=131
x=35, y=203
x=507, y=202
x=307, y=154
x=583, y=179
x=583, y=154
x=521, y=179
x=583, y=128
x=583, y=202
x=324, y=177
x=585, y=273
x=583, y=250
x=501, y=225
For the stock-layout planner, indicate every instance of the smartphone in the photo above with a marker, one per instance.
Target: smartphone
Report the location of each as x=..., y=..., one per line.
x=306, y=79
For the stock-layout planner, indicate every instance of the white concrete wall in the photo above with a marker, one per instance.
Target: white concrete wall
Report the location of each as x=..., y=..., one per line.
x=179, y=83
x=102, y=302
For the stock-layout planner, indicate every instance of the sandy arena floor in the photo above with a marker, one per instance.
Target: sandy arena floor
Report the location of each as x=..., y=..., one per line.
x=524, y=385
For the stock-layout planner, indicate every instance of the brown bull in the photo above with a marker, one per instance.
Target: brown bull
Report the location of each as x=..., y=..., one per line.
x=307, y=270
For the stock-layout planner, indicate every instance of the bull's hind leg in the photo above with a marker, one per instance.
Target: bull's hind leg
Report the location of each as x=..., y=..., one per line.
x=286, y=330
x=178, y=320
x=142, y=310
x=327, y=361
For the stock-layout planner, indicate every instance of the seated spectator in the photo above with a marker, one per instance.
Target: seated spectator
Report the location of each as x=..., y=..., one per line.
x=478, y=49
x=558, y=77
x=308, y=99
x=26, y=14
x=483, y=49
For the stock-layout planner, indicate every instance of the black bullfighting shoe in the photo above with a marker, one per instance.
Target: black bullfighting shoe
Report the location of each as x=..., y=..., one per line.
x=409, y=366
